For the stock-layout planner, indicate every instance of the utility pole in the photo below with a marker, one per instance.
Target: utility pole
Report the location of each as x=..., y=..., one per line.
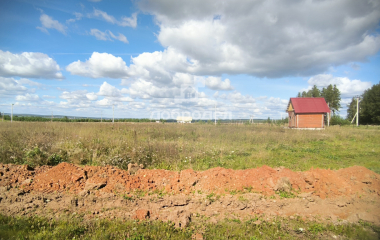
x=357, y=110
x=51, y=116
x=328, y=115
x=101, y=116
x=113, y=113
x=12, y=113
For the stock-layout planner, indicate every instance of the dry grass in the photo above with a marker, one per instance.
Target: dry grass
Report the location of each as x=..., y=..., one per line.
x=197, y=146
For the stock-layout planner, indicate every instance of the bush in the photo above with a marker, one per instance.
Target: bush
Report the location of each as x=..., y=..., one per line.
x=55, y=159
x=338, y=120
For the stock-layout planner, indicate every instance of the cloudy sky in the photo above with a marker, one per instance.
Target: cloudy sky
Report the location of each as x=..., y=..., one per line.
x=159, y=58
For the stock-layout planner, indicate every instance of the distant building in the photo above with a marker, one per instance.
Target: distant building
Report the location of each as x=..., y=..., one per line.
x=184, y=119
x=307, y=112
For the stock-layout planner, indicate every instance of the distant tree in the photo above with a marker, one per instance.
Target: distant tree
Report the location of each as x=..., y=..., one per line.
x=370, y=106
x=332, y=96
x=336, y=98
x=315, y=92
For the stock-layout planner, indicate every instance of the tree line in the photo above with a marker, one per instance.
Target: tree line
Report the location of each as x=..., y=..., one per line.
x=66, y=119
x=369, y=106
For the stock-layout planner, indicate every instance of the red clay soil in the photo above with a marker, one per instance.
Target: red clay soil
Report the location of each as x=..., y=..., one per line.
x=350, y=194
x=67, y=177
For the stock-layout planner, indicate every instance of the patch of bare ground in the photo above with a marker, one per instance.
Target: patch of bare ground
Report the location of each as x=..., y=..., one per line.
x=345, y=195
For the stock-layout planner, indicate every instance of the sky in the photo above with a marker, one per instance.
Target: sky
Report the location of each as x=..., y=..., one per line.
x=168, y=58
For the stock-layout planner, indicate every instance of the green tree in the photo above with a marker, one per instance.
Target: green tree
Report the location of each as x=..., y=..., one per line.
x=370, y=106
x=315, y=92
x=332, y=96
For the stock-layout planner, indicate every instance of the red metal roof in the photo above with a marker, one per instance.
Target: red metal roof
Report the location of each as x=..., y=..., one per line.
x=309, y=105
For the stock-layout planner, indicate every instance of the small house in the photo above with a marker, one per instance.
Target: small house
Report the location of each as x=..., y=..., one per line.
x=184, y=119
x=307, y=112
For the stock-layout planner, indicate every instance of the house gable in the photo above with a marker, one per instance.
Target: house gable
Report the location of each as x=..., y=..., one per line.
x=290, y=107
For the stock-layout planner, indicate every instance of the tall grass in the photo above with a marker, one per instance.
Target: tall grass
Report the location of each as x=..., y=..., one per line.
x=197, y=146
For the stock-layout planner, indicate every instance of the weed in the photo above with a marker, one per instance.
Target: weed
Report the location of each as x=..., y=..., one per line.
x=128, y=198
x=234, y=192
x=242, y=199
x=316, y=228
x=139, y=193
x=211, y=197
x=284, y=194
x=236, y=220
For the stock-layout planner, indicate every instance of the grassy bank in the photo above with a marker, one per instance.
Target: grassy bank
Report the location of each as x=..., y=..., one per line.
x=197, y=146
x=76, y=228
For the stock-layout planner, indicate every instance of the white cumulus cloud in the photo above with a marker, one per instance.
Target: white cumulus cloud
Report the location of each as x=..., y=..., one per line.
x=29, y=64
x=92, y=96
x=10, y=86
x=100, y=65
x=216, y=83
x=108, y=90
x=28, y=98
x=272, y=38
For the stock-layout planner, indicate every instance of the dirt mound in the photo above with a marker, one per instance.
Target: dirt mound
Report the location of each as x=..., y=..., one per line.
x=67, y=177
x=351, y=194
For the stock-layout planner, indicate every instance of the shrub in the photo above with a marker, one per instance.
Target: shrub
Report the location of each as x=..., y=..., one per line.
x=338, y=120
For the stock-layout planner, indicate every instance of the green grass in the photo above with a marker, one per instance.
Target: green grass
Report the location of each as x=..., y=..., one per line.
x=198, y=146
x=41, y=228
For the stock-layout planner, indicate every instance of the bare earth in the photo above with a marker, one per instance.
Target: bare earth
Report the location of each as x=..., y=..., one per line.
x=345, y=195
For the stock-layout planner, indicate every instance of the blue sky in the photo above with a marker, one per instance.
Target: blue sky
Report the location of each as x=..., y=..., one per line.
x=247, y=58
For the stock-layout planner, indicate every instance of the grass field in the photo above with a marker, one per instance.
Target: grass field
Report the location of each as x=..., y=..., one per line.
x=76, y=228
x=197, y=146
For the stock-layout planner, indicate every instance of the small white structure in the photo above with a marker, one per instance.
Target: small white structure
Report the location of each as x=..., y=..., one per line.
x=184, y=119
